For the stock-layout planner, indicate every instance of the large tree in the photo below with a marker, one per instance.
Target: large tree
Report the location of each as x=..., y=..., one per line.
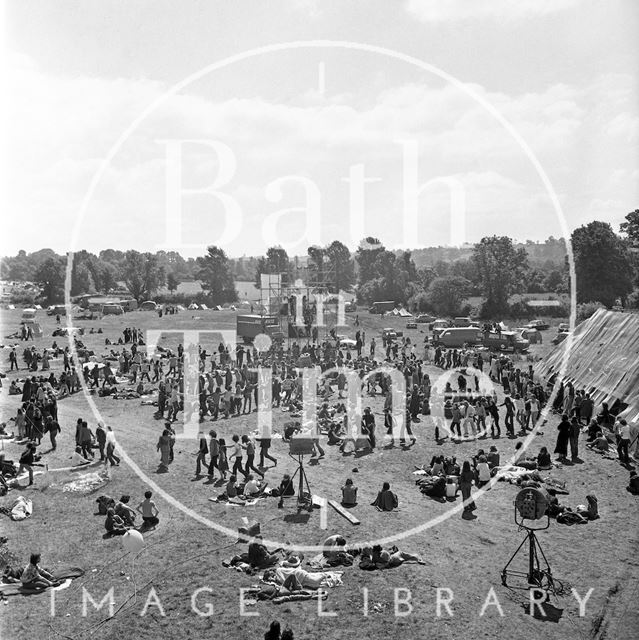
x=275, y=261
x=50, y=276
x=143, y=274
x=341, y=265
x=499, y=271
x=447, y=295
x=172, y=281
x=215, y=274
x=602, y=264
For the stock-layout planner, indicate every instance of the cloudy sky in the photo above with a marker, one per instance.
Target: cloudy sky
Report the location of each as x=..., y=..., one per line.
x=153, y=124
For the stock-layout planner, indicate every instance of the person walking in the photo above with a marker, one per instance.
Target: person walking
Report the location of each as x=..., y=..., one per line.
x=236, y=456
x=53, y=428
x=265, y=445
x=110, y=448
x=101, y=438
x=249, y=446
x=214, y=451
x=201, y=455
x=26, y=461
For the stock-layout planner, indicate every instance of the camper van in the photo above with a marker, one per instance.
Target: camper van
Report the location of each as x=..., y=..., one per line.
x=504, y=341
x=455, y=337
x=29, y=314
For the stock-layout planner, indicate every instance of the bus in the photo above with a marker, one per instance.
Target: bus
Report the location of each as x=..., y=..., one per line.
x=251, y=325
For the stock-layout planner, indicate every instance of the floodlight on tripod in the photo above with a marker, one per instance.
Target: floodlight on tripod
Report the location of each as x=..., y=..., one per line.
x=300, y=446
x=531, y=507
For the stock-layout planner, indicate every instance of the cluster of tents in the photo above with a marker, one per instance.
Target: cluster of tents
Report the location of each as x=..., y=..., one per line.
x=401, y=312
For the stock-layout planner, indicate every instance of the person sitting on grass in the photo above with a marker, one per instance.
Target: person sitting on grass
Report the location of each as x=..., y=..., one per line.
x=34, y=577
x=259, y=556
x=600, y=443
x=253, y=487
x=114, y=524
x=149, y=511
x=125, y=512
x=349, y=494
x=386, y=500
x=544, y=459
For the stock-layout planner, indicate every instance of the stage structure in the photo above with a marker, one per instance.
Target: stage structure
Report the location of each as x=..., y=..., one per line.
x=296, y=297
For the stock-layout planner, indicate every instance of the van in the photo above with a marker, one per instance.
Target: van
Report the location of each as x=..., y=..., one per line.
x=455, y=337
x=29, y=314
x=463, y=321
x=112, y=310
x=504, y=341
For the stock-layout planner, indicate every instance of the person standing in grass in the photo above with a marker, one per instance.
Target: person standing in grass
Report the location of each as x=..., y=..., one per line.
x=164, y=447
x=465, y=484
x=214, y=451
x=223, y=462
x=201, y=455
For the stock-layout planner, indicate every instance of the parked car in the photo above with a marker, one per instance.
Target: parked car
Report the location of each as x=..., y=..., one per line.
x=350, y=307
x=560, y=337
x=439, y=325
x=464, y=321
x=540, y=325
x=389, y=333
x=563, y=327
x=411, y=325
x=346, y=343
x=424, y=318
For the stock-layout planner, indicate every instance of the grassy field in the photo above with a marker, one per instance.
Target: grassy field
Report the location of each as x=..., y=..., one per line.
x=183, y=554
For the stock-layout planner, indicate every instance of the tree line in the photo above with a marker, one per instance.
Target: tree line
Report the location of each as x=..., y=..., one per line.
x=495, y=268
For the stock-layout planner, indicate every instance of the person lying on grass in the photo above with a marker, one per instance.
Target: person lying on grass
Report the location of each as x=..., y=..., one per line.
x=34, y=577
x=386, y=500
x=379, y=558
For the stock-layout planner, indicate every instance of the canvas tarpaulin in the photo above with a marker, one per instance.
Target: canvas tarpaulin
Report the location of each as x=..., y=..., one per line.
x=603, y=360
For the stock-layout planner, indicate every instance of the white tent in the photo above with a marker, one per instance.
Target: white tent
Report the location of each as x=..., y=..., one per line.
x=203, y=306
x=11, y=306
x=193, y=307
x=37, y=306
x=404, y=313
x=180, y=308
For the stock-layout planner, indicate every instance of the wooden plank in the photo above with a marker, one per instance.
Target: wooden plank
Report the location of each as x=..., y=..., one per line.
x=344, y=512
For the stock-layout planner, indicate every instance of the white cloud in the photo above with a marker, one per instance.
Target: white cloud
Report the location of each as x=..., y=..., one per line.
x=63, y=126
x=500, y=10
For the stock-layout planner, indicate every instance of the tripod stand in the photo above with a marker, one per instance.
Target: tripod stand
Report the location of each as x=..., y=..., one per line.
x=536, y=576
x=304, y=498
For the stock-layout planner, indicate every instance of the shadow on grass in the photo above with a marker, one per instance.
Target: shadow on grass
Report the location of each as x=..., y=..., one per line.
x=546, y=612
x=297, y=518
